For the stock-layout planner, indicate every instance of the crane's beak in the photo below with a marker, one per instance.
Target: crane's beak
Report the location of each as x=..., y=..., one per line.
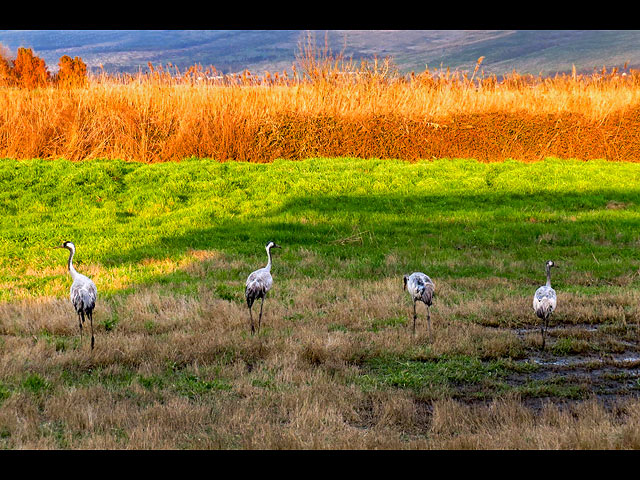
x=276, y=246
x=59, y=246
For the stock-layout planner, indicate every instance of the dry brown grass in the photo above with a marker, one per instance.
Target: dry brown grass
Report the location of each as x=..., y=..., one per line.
x=290, y=387
x=361, y=112
x=507, y=424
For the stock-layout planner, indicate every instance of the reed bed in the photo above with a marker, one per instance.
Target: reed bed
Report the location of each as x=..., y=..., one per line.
x=368, y=111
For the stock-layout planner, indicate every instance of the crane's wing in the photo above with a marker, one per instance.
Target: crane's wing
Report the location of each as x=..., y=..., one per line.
x=544, y=301
x=422, y=287
x=83, y=294
x=427, y=293
x=258, y=284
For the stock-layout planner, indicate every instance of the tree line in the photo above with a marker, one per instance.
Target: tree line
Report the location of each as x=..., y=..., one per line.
x=30, y=71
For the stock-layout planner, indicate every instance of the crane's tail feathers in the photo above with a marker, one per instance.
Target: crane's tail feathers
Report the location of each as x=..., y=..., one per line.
x=250, y=299
x=251, y=295
x=544, y=308
x=427, y=294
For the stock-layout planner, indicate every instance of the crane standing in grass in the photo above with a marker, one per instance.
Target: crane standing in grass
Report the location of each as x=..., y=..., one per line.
x=421, y=288
x=544, y=301
x=257, y=286
x=83, y=292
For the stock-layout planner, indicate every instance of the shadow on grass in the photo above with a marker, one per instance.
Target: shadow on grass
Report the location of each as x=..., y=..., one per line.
x=334, y=223
x=455, y=236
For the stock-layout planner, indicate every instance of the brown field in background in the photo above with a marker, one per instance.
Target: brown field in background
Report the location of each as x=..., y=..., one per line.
x=330, y=111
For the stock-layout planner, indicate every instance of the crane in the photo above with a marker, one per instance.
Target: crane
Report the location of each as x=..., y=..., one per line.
x=544, y=300
x=83, y=292
x=421, y=288
x=258, y=284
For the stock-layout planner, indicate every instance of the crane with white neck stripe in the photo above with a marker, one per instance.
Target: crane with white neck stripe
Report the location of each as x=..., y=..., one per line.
x=258, y=284
x=83, y=292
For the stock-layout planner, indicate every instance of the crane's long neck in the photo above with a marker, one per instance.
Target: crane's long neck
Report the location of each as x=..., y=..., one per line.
x=268, y=267
x=548, y=276
x=72, y=270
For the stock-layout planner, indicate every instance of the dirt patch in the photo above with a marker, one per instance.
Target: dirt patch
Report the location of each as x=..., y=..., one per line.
x=608, y=371
x=590, y=360
x=614, y=205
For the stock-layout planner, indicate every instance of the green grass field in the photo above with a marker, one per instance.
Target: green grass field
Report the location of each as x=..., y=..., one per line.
x=170, y=245
x=456, y=219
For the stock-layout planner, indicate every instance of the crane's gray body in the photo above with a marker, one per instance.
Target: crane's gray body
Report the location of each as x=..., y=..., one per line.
x=258, y=284
x=544, y=301
x=83, y=294
x=420, y=287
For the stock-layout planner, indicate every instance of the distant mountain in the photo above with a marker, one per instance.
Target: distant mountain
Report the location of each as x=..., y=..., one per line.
x=526, y=51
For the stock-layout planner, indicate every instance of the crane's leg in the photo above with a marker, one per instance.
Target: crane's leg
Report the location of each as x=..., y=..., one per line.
x=429, y=320
x=546, y=327
x=542, y=330
x=415, y=315
x=80, y=324
x=90, y=315
x=260, y=317
x=251, y=322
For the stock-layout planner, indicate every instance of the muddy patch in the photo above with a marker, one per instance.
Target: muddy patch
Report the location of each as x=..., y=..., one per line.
x=564, y=381
x=581, y=361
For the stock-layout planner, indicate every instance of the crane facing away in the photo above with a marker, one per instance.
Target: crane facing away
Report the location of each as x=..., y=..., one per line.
x=258, y=284
x=544, y=301
x=83, y=292
x=421, y=288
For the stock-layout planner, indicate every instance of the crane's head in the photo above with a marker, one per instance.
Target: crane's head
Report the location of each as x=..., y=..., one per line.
x=68, y=245
x=551, y=264
x=405, y=279
x=271, y=244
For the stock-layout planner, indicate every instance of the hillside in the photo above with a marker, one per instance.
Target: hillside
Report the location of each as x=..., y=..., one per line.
x=527, y=51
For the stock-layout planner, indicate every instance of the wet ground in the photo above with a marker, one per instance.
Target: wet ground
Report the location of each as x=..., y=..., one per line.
x=581, y=361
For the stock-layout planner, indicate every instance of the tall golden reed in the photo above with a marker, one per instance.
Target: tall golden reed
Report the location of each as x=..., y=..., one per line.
x=328, y=107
